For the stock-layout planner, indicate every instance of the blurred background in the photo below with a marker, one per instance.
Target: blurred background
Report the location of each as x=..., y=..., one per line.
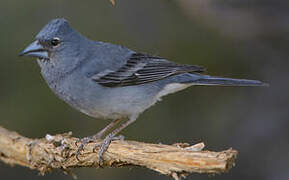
x=238, y=38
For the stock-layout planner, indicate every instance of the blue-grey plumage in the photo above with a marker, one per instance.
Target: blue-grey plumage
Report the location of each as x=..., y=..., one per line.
x=110, y=81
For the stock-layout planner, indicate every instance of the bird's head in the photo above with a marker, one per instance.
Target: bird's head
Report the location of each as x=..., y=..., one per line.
x=56, y=37
x=58, y=48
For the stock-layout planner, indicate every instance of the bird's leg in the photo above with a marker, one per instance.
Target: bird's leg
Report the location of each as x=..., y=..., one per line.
x=104, y=130
x=111, y=136
x=87, y=140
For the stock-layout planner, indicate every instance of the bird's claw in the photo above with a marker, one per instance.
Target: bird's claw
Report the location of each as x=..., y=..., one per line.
x=102, y=146
x=96, y=147
x=82, y=142
x=80, y=148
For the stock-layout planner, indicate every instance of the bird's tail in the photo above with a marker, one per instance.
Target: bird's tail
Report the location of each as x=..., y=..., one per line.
x=220, y=81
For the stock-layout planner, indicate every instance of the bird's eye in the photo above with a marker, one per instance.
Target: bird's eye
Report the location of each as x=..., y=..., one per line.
x=55, y=41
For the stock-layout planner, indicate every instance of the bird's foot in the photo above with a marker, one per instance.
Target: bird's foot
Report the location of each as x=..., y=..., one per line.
x=83, y=142
x=104, y=145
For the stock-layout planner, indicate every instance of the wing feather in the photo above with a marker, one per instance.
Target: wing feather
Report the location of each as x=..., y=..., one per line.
x=142, y=68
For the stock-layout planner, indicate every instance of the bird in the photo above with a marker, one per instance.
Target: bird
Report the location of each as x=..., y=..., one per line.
x=108, y=81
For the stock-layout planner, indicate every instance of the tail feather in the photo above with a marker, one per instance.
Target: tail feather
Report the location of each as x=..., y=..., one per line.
x=220, y=81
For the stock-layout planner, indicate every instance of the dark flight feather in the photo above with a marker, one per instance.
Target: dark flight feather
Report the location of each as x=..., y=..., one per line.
x=141, y=69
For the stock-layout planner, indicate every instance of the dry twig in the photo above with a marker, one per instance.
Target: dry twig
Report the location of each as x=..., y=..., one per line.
x=58, y=152
x=112, y=2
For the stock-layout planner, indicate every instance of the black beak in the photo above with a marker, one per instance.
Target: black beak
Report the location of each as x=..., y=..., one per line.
x=35, y=49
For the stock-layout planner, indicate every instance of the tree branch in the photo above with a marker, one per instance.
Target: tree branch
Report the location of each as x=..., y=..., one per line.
x=58, y=152
x=112, y=2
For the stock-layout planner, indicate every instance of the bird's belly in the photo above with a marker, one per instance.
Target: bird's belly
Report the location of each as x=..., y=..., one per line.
x=103, y=102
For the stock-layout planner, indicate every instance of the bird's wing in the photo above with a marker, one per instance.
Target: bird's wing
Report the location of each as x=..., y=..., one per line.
x=140, y=69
